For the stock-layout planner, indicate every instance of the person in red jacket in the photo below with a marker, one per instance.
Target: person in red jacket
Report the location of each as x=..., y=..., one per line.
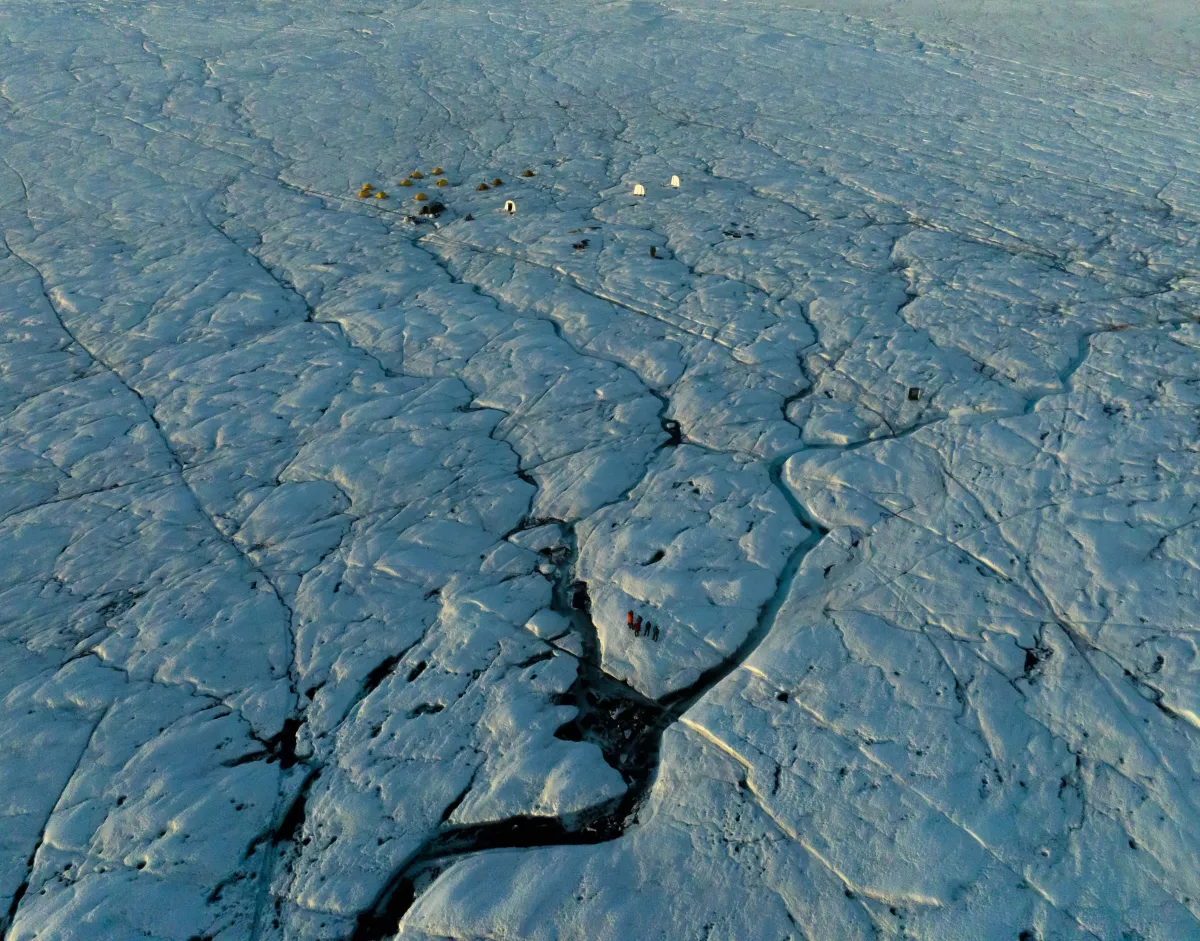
x=637, y=626
x=629, y=620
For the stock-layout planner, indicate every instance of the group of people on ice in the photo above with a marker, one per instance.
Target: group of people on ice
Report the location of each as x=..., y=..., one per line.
x=640, y=629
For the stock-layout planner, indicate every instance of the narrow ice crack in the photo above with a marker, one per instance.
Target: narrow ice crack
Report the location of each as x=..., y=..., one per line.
x=179, y=466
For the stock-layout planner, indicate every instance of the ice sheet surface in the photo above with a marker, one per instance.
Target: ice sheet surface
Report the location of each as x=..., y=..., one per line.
x=321, y=518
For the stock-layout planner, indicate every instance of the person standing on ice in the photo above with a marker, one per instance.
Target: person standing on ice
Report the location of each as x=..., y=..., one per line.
x=637, y=626
x=629, y=619
x=656, y=633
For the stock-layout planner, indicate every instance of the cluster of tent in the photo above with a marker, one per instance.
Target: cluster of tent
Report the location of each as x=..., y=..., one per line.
x=367, y=191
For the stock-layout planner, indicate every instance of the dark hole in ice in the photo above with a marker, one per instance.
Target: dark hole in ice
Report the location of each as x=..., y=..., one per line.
x=16, y=899
x=283, y=745
x=914, y=394
x=292, y=820
x=579, y=597
x=1034, y=656
x=557, y=555
x=379, y=674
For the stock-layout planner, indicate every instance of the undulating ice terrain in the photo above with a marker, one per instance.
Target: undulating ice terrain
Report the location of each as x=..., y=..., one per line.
x=321, y=518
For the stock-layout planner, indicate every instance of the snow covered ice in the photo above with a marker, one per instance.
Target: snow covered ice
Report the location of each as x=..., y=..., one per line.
x=322, y=517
